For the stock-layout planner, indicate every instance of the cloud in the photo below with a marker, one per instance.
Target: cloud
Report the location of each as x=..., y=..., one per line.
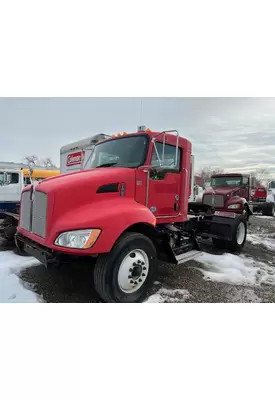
x=232, y=133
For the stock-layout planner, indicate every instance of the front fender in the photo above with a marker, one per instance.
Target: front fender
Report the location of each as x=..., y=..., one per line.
x=112, y=217
x=236, y=200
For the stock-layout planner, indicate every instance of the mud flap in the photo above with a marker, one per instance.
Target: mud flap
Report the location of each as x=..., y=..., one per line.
x=219, y=226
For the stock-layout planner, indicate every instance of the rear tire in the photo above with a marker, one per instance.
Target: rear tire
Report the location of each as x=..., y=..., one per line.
x=238, y=237
x=269, y=210
x=126, y=274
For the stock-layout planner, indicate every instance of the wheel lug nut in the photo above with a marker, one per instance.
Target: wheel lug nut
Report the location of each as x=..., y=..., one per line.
x=143, y=274
x=143, y=263
x=135, y=282
x=144, y=268
x=140, y=280
x=130, y=276
x=131, y=270
x=131, y=281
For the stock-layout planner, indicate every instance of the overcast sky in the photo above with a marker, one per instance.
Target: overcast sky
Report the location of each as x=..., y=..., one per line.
x=233, y=133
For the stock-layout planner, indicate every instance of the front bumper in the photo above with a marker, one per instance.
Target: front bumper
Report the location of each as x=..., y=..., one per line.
x=43, y=254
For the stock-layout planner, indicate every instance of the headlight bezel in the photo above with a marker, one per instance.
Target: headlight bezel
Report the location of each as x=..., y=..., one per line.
x=91, y=235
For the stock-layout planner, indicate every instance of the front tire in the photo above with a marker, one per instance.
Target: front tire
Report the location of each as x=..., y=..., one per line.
x=126, y=274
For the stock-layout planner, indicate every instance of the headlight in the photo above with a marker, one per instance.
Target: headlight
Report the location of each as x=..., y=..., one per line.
x=82, y=239
x=234, y=206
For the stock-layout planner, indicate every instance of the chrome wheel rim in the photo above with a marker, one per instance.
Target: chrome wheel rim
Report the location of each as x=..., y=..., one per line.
x=133, y=271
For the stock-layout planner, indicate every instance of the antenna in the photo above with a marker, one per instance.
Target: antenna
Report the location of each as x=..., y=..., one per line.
x=141, y=112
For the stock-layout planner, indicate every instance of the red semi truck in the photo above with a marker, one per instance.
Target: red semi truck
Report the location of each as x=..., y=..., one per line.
x=233, y=192
x=122, y=215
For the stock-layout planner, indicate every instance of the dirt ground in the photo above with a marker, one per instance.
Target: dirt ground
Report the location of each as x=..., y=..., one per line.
x=182, y=283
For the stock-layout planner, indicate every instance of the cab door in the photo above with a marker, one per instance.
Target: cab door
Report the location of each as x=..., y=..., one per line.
x=164, y=191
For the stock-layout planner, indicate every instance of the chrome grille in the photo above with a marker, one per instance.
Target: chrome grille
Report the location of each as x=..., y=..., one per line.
x=39, y=214
x=218, y=200
x=25, y=211
x=33, y=213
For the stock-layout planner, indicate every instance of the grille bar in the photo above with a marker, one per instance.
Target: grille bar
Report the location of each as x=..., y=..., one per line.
x=218, y=200
x=33, y=214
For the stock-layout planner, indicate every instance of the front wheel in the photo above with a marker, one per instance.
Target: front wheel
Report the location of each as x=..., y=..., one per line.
x=127, y=272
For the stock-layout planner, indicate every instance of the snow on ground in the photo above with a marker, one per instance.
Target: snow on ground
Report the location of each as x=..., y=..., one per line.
x=263, y=217
x=233, y=269
x=261, y=240
x=11, y=288
x=169, y=296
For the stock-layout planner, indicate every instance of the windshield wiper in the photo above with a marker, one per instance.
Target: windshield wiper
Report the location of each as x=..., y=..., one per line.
x=107, y=165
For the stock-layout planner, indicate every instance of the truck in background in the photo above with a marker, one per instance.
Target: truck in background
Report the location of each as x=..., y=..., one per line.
x=75, y=156
x=124, y=212
x=12, y=182
x=259, y=194
x=232, y=192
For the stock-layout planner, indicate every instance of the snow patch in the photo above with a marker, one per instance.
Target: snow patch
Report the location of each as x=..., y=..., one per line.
x=169, y=296
x=263, y=240
x=233, y=269
x=11, y=288
x=263, y=217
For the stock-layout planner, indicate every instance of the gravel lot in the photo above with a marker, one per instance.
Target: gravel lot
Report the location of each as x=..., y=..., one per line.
x=189, y=282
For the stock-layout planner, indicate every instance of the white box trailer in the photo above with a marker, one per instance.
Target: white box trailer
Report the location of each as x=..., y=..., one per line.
x=76, y=156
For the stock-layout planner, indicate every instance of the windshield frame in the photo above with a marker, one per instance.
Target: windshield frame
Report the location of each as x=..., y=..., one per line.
x=228, y=177
x=142, y=159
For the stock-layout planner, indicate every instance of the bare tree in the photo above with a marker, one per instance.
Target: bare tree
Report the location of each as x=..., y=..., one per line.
x=261, y=175
x=31, y=160
x=47, y=162
x=206, y=173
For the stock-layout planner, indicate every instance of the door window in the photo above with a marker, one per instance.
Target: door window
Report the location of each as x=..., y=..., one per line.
x=169, y=159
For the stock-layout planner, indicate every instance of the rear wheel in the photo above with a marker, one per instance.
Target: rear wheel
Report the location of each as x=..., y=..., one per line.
x=238, y=236
x=126, y=274
x=269, y=209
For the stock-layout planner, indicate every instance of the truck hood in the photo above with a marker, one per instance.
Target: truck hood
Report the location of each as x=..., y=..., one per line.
x=89, y=177
x=71, y=191
x=223, y=190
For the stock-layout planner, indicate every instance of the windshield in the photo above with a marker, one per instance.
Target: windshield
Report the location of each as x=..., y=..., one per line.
x=227, y=181
x=128, y=151
x=272, y=185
